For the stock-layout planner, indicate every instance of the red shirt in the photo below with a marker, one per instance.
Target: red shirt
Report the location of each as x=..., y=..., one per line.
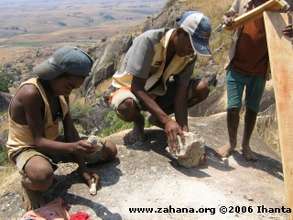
x=251, y=56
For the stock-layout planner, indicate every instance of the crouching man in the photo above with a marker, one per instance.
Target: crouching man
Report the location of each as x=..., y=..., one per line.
x=155, y=76
x=34, y=143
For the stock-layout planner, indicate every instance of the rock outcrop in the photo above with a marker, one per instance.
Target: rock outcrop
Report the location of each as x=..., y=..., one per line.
x=108, y=57
x=148, y=176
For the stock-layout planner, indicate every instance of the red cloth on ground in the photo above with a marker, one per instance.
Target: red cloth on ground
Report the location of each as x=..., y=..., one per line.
x=79, y=216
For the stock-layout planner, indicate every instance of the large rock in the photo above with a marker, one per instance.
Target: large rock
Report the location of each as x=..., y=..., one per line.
x=267, y=127
x=147, y=176
x=267, y=123
x=106, y=64
x=167, y=17
x=215, y=103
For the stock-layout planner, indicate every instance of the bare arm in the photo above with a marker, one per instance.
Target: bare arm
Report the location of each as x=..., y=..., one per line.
x=70, y=132
x=172, y=129
x=231, y=13
x=71, y=135
x=288, y=30
x=32, y=104
x=180, y=106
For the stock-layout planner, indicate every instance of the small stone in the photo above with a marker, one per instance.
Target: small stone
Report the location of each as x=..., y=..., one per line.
x=191, y=152
x=248, y=198
x=93, y=187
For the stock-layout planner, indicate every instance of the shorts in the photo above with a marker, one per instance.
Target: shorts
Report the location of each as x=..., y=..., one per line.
x=119, y=95
x=165, y=102
x=26, y=154
x=235, y=86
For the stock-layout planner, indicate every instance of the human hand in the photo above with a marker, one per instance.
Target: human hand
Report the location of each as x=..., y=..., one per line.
x=228, y=20
x=83, y=146
x=288, y=31
x=172, y=129
x=229, y=17
x=185, y=128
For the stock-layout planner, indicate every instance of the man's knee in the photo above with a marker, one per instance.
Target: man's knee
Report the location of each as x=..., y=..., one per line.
x=110, y=151
x=203, y=89
x=128, y=110
x=38, y=174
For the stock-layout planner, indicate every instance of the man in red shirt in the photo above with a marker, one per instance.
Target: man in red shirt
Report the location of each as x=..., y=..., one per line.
x=247, y=68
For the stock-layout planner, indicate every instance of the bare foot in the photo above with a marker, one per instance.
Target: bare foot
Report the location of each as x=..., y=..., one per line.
x=31, y=199
x=225, y=151
x=134, y=136
x=248, y=154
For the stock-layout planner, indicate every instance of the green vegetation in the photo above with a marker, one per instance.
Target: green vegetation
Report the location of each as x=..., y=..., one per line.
x=113, y=124
x=6, y=80
x=8, y=75
x=3, y=156
x=79, y=110
x=3, y=150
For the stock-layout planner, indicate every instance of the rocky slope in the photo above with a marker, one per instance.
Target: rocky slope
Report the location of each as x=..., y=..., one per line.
x=110, y=52
x=147, y=176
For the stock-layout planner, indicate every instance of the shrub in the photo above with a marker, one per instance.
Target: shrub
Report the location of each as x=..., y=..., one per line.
x=6, y=81
x=113, y=124
x=79, y=110
x=3, y=156
x=3, y=149
x=8, y=75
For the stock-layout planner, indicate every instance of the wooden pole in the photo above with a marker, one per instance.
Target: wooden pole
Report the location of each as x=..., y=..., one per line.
x=257, y=12
x=281, y=60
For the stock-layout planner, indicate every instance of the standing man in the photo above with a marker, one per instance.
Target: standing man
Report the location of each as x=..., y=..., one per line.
x=40, y=104
x=247, y=68
x=156, y=76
